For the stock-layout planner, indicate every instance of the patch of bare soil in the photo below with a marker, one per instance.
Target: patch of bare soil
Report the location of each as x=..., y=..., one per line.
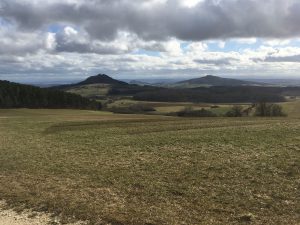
x=11, y=217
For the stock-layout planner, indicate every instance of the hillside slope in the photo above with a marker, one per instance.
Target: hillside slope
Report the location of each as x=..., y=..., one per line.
x=100, y=79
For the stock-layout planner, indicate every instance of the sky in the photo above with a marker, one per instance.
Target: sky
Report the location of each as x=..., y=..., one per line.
x=55, y=40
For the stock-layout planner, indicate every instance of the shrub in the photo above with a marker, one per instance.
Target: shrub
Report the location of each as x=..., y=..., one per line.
x=267, y=110
x=276, y=110
x=189, y=112
x=133, y=109
x=141, y=108
x=235, y=111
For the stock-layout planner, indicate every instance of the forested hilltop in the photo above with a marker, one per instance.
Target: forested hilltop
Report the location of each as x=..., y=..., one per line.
x=13, y=95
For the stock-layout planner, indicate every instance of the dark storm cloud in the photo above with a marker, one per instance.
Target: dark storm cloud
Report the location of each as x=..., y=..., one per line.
x=74, y=41
x=210, y=19
x=217, y=62
x=18, y=43
x=293, y=58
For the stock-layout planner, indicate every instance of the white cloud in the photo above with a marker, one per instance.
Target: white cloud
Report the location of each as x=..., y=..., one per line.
x=247, y=41
x=116, y=35
x=277, y=42
x=173, y=47
x=19, y=43
x=190, y=3
x=197, y=60
x=196, y=48
x=221, y=44
x=50, y=41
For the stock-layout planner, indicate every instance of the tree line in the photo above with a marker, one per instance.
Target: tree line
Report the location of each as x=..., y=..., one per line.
x=13, y=95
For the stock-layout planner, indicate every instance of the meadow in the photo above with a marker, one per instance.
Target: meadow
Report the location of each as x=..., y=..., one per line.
x=163, y=108
x=90, y=90
x=150, y=169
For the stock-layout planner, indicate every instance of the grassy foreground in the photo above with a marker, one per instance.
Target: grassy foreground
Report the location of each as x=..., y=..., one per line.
x=129, y=169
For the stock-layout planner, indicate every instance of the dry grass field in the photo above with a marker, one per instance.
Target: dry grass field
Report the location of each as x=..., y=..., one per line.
x=152, y=170
x=90, y=90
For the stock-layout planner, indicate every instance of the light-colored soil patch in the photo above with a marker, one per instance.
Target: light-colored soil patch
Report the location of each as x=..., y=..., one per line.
x=11, y=217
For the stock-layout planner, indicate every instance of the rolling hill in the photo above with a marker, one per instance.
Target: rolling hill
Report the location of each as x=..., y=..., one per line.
x=209, y=89
x=92, y=87
x=101, y=79
x=210, y=80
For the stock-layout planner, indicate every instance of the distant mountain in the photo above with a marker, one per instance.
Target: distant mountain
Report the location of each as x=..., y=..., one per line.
x=138, y=82
x=101, y=79
x=210, y=80
x=14, y=95
x=279, y=82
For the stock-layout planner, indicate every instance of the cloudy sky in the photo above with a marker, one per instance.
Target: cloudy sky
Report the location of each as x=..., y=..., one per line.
x=47, y=40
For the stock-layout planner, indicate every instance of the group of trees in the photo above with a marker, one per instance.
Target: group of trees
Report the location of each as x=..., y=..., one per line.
x=267, y=110
x=190, y=112
x=235, y=111
x=262, y=109
x=13, y=95
x=133, y=109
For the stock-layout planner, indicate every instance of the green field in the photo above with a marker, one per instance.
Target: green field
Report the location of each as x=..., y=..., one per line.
x=152, y=170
